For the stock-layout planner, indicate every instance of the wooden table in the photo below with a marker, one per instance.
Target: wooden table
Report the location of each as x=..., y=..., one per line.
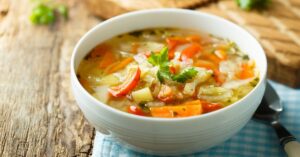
x=38, y=115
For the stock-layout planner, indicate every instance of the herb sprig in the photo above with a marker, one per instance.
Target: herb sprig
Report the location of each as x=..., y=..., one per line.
x=253, y=4
x=46, y=11
x=162, y=60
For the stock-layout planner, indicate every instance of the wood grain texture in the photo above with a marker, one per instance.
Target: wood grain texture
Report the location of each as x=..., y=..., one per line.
x=38, y=115
x=111, y=8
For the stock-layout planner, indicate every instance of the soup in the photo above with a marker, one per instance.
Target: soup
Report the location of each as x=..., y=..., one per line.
x=167, y=73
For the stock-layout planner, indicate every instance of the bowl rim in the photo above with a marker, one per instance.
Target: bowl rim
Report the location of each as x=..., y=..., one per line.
x=155, y=119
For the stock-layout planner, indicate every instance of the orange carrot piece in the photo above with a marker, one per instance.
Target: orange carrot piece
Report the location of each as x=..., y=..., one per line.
x=184, y=110
x=119, y=65
x=221, y=54
x=107, y=60
x=205, y=64
x=246, y=72
x=214, y=58
x=190, y=51
x=100, y=50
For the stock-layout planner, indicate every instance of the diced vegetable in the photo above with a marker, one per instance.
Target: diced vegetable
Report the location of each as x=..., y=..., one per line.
x=246, y=71
x=142, y=95
x=107, y=59
x=128, y=85
x=173, y=42
x=101, y=93
x=110, y=80
x=187, y=109
x=214, y=94
x=135, y=110
x=190, y=51
x=221, y=54
x=119, y=65
x=165, y=94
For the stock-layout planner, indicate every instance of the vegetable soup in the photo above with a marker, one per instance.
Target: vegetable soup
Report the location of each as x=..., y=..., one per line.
x=167, y=73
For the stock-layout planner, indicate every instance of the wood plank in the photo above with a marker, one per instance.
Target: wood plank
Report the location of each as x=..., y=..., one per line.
x=38, y=115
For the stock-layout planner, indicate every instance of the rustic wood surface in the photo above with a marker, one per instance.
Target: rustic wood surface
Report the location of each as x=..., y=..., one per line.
x=38, y=116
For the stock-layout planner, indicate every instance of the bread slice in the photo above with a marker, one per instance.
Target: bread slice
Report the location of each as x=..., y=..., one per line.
x=109, y=8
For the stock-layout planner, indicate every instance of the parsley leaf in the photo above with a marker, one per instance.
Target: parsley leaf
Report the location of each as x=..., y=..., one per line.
x=161, y=60
x=185, y=75
x=251, y=4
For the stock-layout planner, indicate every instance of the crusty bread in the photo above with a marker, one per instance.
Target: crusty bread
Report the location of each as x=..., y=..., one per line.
x=109, y=8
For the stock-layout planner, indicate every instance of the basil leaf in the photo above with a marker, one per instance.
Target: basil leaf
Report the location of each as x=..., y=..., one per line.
x=185, y=75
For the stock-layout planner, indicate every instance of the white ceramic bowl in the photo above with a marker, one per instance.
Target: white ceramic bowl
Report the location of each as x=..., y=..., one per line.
x=169, y=136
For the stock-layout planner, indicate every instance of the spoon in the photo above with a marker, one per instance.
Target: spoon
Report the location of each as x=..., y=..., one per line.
x=268, y=111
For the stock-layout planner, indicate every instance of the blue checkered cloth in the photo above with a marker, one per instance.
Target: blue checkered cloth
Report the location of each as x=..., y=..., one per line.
x=254, y=140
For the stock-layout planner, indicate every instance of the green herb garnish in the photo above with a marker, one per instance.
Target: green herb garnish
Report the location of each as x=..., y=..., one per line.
x=252, y=4
x=185, y=75
x=42, y=14
x=162, y=60
x=45, y=12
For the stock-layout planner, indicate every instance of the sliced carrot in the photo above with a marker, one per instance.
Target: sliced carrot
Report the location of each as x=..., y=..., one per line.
x=214, y=58
x=128, y=85
x=190, y=51
x=100, y=50
x=184, y=110
x=221, y=54
x=119, y=65
x=107, y=60
x=246, y=71
x=205, y=64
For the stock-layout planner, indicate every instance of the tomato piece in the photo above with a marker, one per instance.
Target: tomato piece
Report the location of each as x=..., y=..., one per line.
x=135, y=110
x=190, y=51
x=128, y=85
x=172, y=70
x=209, y=107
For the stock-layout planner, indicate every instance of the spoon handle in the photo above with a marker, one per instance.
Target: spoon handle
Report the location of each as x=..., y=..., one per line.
x=287, y=140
